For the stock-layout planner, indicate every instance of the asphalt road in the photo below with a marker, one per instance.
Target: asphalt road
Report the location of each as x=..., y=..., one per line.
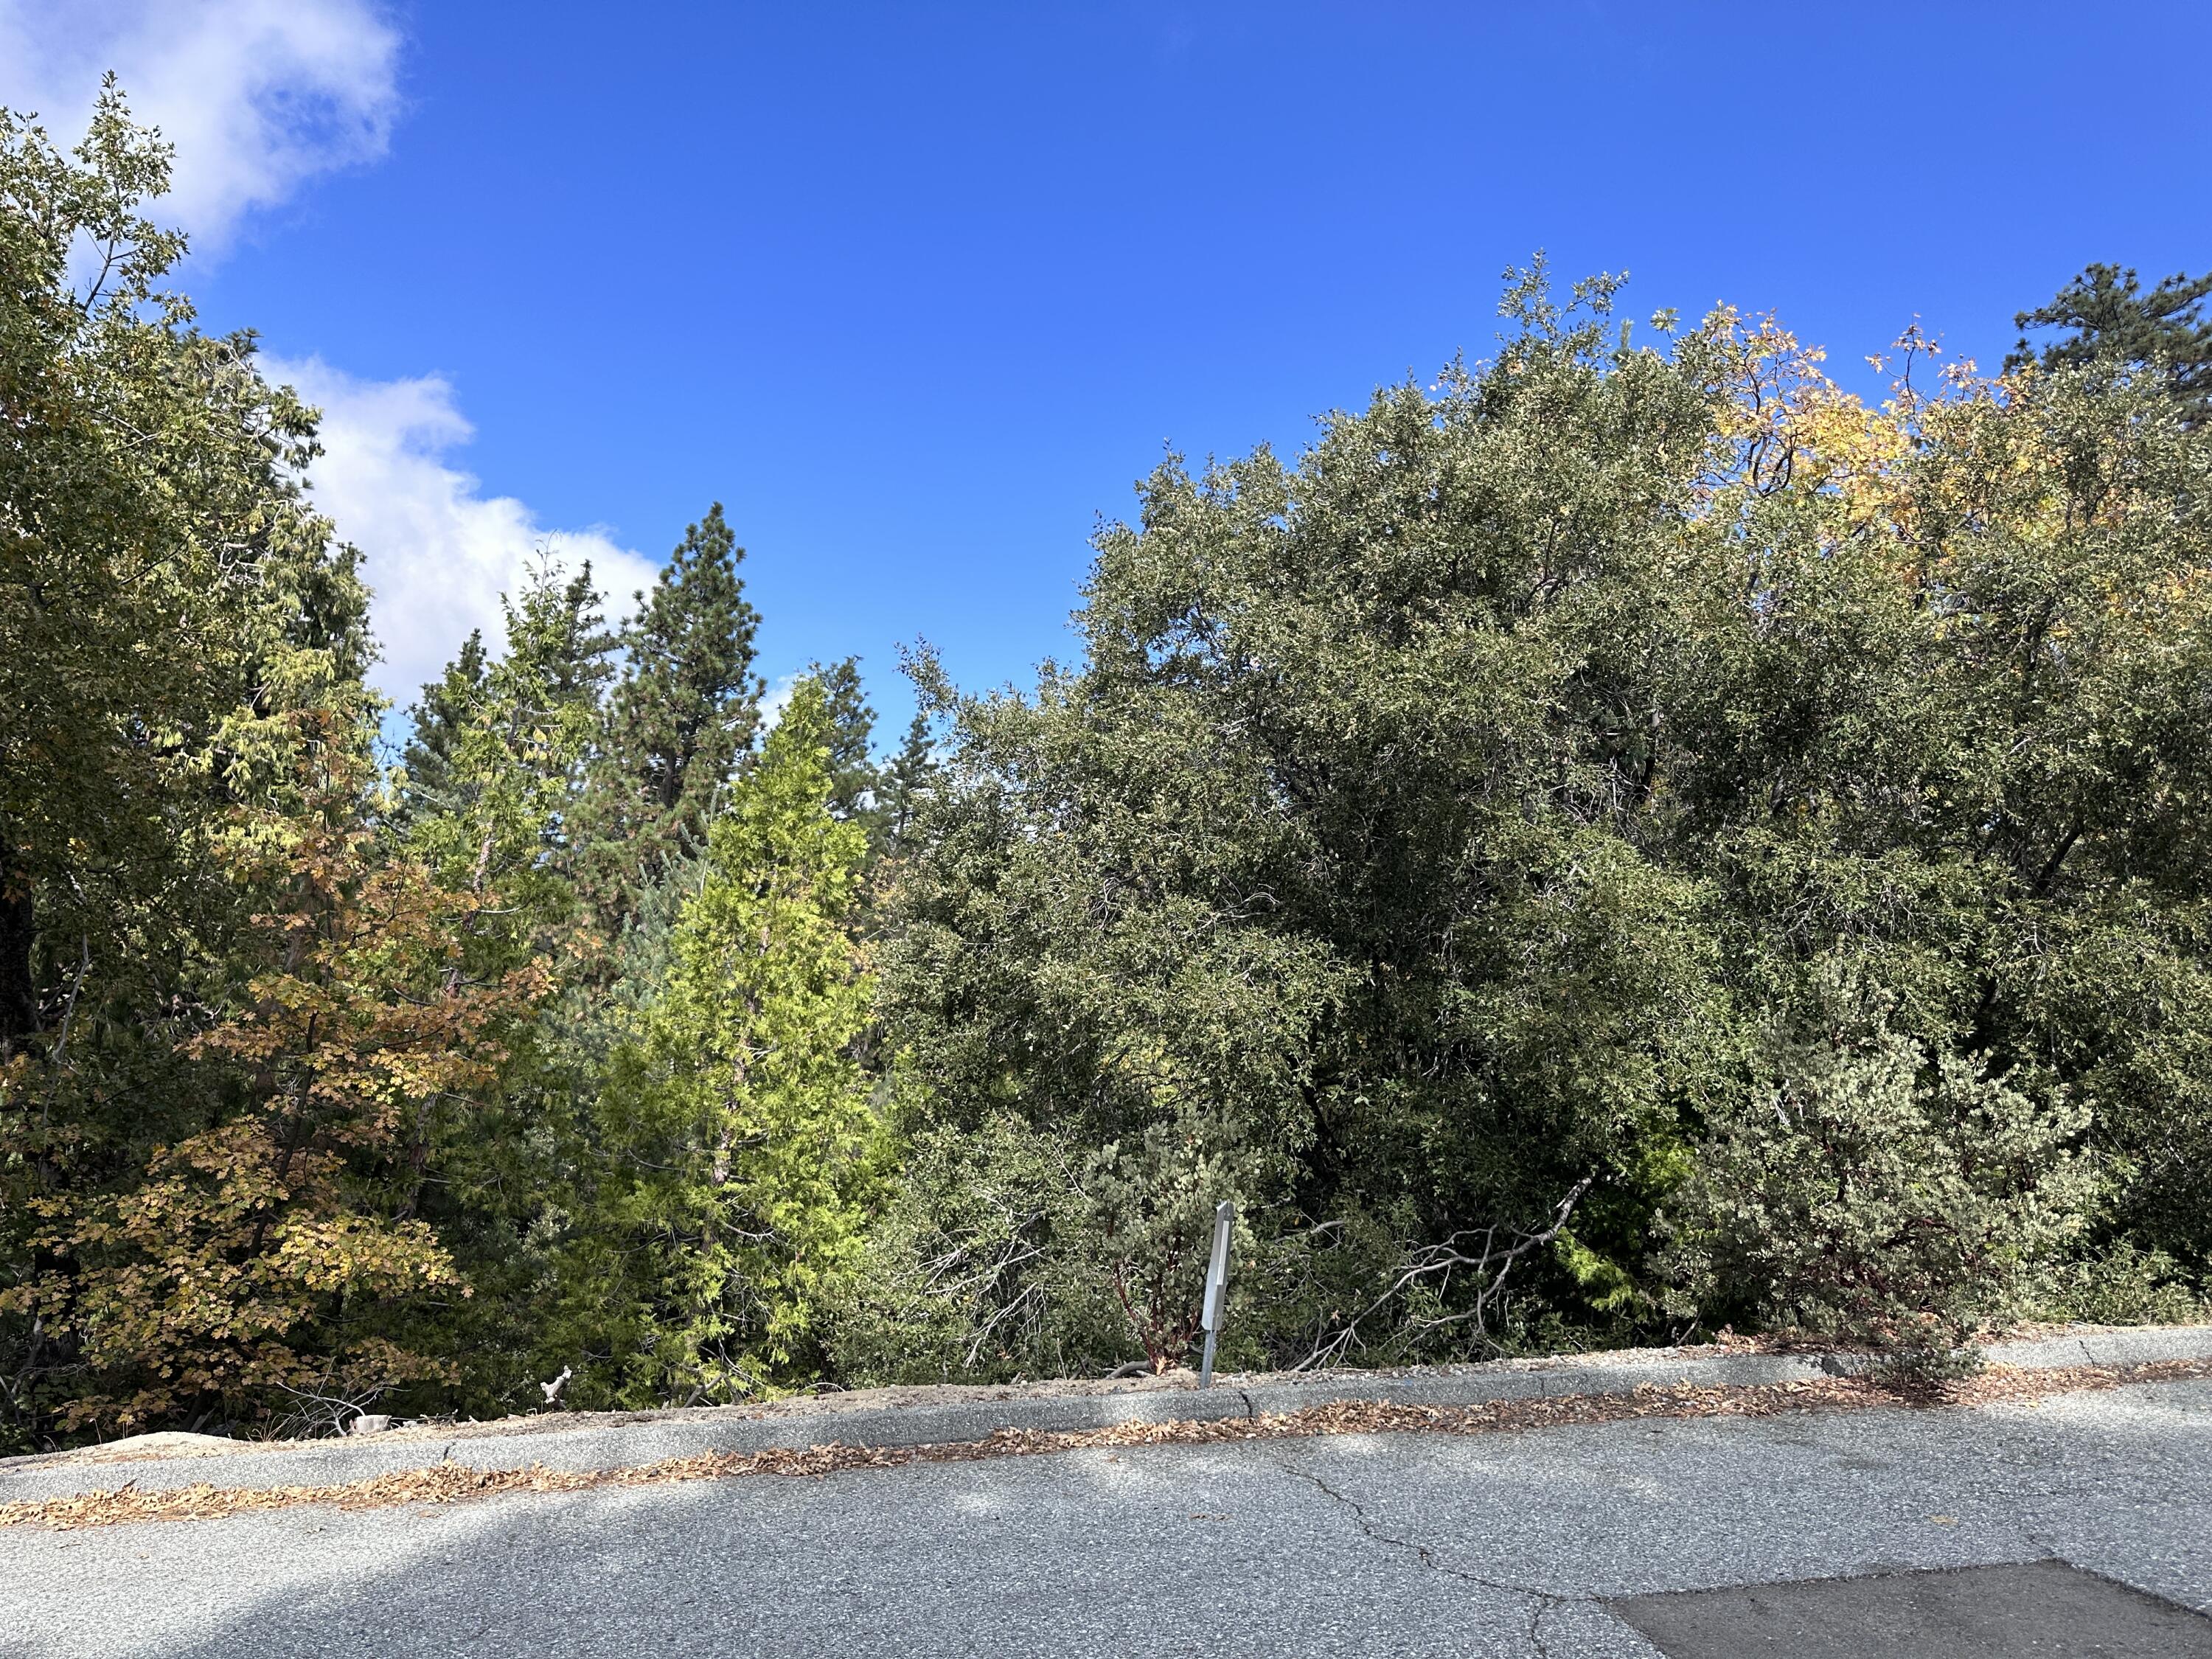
x=1520, y=1544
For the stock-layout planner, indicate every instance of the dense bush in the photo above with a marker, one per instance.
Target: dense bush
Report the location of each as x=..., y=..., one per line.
x=1879, y=1192
x=1434, y=832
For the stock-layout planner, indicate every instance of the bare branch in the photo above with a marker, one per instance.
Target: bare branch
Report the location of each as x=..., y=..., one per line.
x=1475, y=1253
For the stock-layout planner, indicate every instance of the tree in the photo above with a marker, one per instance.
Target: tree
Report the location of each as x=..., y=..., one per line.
x=1328, y=883
x=1878, y=1192
x=882, y=797
x=170, y=611
x=976, y=1265
x=734, y=1118
x=1627, y=836
x=507, y=745
x=687, y=707
x=1432, y=830
x=906, y=782
x=1964, y=673
x=854, y=780
x=259, y=1270
x=159, y=575
x=2114, y=321
x=436, y=721
x=496, y=813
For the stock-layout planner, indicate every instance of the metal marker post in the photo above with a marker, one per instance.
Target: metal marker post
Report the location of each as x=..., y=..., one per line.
x=1217, y=1286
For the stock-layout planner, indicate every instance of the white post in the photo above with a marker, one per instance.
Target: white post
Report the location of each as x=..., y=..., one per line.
x=1217, y=1286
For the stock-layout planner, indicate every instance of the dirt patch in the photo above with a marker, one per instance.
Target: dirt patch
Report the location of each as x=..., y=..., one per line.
x=165, y=1443
x=448, y=1483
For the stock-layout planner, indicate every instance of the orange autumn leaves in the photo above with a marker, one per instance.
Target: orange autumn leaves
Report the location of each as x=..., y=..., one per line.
x=269, y=1251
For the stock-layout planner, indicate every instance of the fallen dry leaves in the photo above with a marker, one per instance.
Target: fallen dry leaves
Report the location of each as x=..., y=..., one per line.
x=447, y=1483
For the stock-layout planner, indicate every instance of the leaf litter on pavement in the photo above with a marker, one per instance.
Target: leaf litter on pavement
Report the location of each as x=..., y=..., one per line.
x=449, y=1482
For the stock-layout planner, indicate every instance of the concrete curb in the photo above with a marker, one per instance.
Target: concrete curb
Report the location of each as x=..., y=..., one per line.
x=927, y=1417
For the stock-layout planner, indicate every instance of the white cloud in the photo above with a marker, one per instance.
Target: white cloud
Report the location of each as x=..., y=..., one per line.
x=778, y=699
x=437, y=551
x=257, y=95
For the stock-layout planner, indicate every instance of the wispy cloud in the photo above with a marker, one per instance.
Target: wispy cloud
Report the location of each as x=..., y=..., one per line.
x=436, y=549
x=259, y=96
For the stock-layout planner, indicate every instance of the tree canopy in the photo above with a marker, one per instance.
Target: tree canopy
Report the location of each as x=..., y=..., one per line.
x=1443, y=837
x=2115, y=323
x=1626, y=839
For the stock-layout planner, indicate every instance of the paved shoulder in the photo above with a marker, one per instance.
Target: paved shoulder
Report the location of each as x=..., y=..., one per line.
x=916, y=1417
x=1532, y=1546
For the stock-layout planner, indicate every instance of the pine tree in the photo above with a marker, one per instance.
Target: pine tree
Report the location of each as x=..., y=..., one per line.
x=855, y=785
x=562, y=635
x=882, y=797
x=506, y=746
x=734, y=1123
x=2115, y=321
x=436, y=719
x=509, y=742
x=907, y=780
x=687, y=707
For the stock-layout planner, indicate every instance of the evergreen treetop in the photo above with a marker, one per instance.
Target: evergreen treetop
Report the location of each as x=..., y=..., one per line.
x=686, y=707
x=2114, y=321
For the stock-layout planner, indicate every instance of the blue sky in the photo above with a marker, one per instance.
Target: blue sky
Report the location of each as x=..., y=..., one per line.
x=918, y=290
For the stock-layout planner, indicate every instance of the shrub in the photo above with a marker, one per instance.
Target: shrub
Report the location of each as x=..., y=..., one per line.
x=979, y=1269
x=2121, y=1284
x=1880, y=1195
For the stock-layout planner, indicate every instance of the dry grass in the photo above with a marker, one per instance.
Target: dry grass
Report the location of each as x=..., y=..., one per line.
x=448, y=1483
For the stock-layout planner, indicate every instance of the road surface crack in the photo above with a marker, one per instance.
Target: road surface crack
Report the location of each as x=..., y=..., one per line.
x=2050, y=1552
x=1543, y=1600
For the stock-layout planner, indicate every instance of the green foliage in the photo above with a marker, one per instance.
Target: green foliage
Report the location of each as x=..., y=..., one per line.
x=734, y=1124
x=177, y=635
x=2115, y=322
x=686, y=709
x=435, y=724
x=979, y=1268
x=1324, y=883
x=904, y=786
x=883, y=797
x=852, y=775
x=265, y=1258
x=494, y=780
x=162, y=588
x=506, y=745
x=1624, y=837
x=1438, y=825
x=2121, y=1284
x=1879, y=1193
